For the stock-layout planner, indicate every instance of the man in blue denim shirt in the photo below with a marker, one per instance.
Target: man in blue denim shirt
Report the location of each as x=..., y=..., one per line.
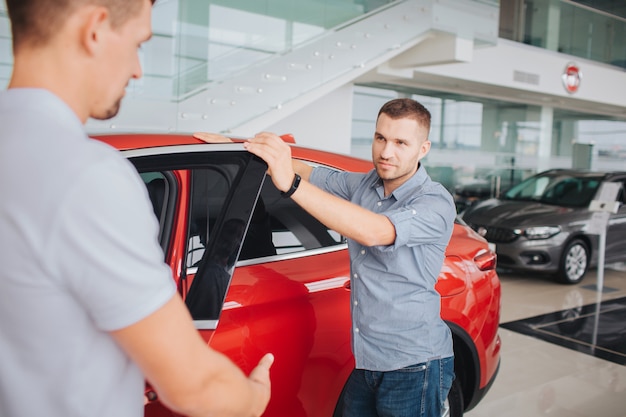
x=398, y=223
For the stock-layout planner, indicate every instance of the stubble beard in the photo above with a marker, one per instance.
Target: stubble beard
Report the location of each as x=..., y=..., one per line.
x=396, y=174
x=109, y=113
x=386, y=175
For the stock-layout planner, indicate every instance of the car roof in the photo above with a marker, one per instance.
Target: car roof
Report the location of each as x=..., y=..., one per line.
x=581, y=172
x=131, y=141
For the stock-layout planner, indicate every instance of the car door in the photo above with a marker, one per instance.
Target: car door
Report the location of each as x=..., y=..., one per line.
x=616, y=231
x=290, y=296
x=203, y=197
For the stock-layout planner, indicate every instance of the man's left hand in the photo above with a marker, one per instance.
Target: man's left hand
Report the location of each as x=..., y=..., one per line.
x=211, y=137
x=277, y=154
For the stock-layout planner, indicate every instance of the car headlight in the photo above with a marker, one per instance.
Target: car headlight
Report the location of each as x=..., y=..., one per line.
x=539, y=232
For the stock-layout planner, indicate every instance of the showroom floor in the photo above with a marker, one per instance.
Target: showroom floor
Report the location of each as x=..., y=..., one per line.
x=563, y=348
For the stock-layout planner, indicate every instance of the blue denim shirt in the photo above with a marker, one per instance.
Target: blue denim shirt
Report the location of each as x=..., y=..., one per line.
x=395, y=309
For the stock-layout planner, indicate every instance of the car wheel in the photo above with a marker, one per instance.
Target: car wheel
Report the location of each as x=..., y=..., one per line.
x=574, y=262
x=454, y=403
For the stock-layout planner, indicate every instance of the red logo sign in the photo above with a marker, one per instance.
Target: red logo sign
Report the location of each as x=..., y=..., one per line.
x=571, y=78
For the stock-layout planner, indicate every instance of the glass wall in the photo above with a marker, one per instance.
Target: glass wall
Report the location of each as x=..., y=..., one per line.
x=567, y=27
x=219, y=38
x=197, y=42
x=489, y=145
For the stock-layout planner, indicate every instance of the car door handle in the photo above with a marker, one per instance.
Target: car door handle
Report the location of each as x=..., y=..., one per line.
x=347, y=285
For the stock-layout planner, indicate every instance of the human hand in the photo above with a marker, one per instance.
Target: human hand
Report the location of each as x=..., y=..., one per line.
x=211, y=137
x=260, y=377
x=277, y=154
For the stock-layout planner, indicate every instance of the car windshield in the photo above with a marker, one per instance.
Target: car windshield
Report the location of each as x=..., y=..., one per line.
x=556, y=189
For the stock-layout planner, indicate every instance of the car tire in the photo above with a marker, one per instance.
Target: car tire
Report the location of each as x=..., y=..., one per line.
x=574, y=262
x=453, y=406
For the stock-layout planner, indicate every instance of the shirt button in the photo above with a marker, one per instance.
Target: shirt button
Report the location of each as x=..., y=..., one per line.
x=356, y=329
x=414, y=212
x=356, y=303
x=362, y=251
x=380, y=203
x=356, y=275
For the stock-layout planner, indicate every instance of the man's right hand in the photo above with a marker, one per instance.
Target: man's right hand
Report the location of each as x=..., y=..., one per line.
x=199, y=381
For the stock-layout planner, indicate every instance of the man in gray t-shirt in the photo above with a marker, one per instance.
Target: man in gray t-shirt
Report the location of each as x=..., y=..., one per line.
x=88, y=309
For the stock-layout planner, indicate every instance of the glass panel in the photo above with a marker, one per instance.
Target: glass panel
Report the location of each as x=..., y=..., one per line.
x=607, y=137
x=279, y=226
x=482, y=147
x=558, y=189
x=223, y=192
x=458, y=122
x=223, y=196
x=210, y=188
x=567, y=27
x=198, y=42
x=161, y=188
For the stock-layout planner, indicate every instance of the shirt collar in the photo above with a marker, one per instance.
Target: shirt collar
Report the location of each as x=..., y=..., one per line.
x=416, y=180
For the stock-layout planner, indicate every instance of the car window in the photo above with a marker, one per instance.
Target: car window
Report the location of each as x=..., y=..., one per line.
x=531, y=189
x=222, y=200
x=222, y=193
x=279, y=226
x=162, y=192
x=562, y=190
x=209, y=190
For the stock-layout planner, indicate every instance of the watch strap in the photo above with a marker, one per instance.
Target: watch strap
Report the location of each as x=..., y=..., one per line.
x=294, y=187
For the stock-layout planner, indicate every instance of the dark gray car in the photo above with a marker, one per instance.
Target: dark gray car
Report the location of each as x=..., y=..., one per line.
x=542, y=224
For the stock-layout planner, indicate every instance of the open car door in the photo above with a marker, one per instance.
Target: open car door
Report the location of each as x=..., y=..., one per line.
x=203, y=198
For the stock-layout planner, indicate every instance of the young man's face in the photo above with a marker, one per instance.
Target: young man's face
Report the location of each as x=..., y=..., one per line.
x=118, y=62
x=398, y=146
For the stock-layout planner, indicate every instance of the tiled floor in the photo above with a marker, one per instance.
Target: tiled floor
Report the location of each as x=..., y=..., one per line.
x=539, y=378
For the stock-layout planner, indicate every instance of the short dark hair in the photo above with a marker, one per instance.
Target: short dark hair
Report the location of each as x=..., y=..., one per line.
x=401, y=108
x=35, y=21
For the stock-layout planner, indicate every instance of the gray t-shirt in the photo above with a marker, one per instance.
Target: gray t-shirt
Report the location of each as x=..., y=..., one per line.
x=79, y=257
x=396, y=318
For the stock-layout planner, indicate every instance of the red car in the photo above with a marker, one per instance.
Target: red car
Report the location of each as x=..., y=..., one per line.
x=261, y=275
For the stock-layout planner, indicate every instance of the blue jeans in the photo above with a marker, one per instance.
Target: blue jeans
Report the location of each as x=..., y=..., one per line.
x=415, y=391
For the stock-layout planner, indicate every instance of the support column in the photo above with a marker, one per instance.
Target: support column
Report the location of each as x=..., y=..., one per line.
x=553, y=25
x=545, y=138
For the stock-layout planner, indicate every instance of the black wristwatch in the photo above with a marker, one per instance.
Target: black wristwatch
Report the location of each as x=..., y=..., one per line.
x=294, y=187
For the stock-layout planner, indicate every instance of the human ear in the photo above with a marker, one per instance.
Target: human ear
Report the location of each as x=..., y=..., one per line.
x=425, y=148
x=95, y=23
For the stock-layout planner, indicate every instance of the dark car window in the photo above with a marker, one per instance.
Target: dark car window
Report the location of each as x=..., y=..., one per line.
x=209, y=190
x=562, y=190
x=224, y=187
x=162, y=192
x=222, y=203
x=279, y=226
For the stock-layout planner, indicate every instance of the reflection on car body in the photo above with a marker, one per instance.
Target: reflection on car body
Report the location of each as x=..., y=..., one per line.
x=543, y=223
x=259, y=274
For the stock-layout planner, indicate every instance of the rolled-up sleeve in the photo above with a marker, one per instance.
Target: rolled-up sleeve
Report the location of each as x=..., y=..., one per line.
x=427, y=219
